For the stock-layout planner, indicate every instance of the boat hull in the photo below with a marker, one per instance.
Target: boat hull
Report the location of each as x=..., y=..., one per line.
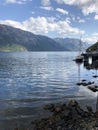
x=79, y=59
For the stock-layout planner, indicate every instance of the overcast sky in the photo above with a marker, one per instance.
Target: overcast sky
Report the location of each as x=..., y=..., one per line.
x=53, y=18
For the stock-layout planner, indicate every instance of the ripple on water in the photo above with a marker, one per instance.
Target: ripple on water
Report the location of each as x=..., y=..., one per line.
x=31, y=79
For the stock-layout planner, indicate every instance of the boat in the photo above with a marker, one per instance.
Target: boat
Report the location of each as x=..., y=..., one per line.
x=80, y=57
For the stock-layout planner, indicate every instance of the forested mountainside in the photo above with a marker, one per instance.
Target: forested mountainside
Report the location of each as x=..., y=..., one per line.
x=14, y=39
x=72, y=44
x=93, y=47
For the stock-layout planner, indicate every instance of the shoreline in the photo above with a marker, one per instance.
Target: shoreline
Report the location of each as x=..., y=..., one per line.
x=68, y=117
x=26, y=123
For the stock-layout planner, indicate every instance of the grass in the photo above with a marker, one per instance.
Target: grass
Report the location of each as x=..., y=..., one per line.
x=12, y=48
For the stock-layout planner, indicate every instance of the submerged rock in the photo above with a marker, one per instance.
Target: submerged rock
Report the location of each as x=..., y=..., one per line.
x=95, y=76
x=93, y=87
x=84, y=83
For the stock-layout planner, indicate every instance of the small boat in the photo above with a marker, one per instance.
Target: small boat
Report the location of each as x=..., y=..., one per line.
x=79, y=58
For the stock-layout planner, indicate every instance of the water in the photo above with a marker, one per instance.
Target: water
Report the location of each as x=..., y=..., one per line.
x=31, y=79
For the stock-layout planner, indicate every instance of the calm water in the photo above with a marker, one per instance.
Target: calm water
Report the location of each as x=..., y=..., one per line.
x=31, y=79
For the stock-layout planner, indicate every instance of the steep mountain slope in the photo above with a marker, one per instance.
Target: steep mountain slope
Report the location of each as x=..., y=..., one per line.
x=94, y=47
x=13, y=39
x=72, y=44
x=10, y=36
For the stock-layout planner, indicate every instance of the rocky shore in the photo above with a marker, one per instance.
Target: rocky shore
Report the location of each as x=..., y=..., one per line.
x=67, y=117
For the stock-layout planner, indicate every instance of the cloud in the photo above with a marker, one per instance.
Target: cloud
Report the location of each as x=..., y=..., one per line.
x=42, y=25
x=81, y=21
x=90, y=9
x=46, y=2
x=47, y=8
x=51, y=19
x=68, y=20
x=64, y=28
x=15, y=24
x=33, y=12
x=96, y=17
x=62, y=11
x=93, y=38
x=87, y=6
x=78, y=19
x=17, y=1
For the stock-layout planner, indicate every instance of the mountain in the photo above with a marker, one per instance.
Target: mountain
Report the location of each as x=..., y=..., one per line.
x=94, y=47
x=14, y=39
x=72, y=44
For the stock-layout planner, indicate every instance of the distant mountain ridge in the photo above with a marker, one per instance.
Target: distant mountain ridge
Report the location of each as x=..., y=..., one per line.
x=14, y=39
x=27, y=40
x=72, y=44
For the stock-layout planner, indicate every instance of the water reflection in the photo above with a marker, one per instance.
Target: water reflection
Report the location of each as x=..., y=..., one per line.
x=32, y=79
x=92, y=66
x=79, y=72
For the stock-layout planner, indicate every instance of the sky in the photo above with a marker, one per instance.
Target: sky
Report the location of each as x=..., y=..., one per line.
x=53, y=18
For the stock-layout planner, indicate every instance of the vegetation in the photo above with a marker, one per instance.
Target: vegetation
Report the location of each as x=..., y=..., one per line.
x=14, y=39
x=12, y=48
x=94, y=47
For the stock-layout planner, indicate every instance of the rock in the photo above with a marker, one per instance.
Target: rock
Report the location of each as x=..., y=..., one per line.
x=83, y=79
x=78, y=84
x=16, y=129
x=68, y=117
x=73, y=103
x=84, y=83
x=58, y=109
x=90, y=82
x=93, y=88
x=50, y=107
x=95, y=76
x=89, y=108
x=64, y=106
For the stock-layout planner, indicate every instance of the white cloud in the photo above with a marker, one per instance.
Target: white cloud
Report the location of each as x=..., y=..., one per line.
x=93, y=38
x=87, y=6
x=73, y=18
x=95, y=35
x=64, y=29
x=80, y=20
x=96, y=17
x=45, y=2
x=89, y=9
x=15, y=24
x=47, y=8
x=68, y=20
x=42, y=25
x=17, y=1
x=33, y=12
x=62, y=11
x=74, y=2
x=51, y=19
x=36, y=25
